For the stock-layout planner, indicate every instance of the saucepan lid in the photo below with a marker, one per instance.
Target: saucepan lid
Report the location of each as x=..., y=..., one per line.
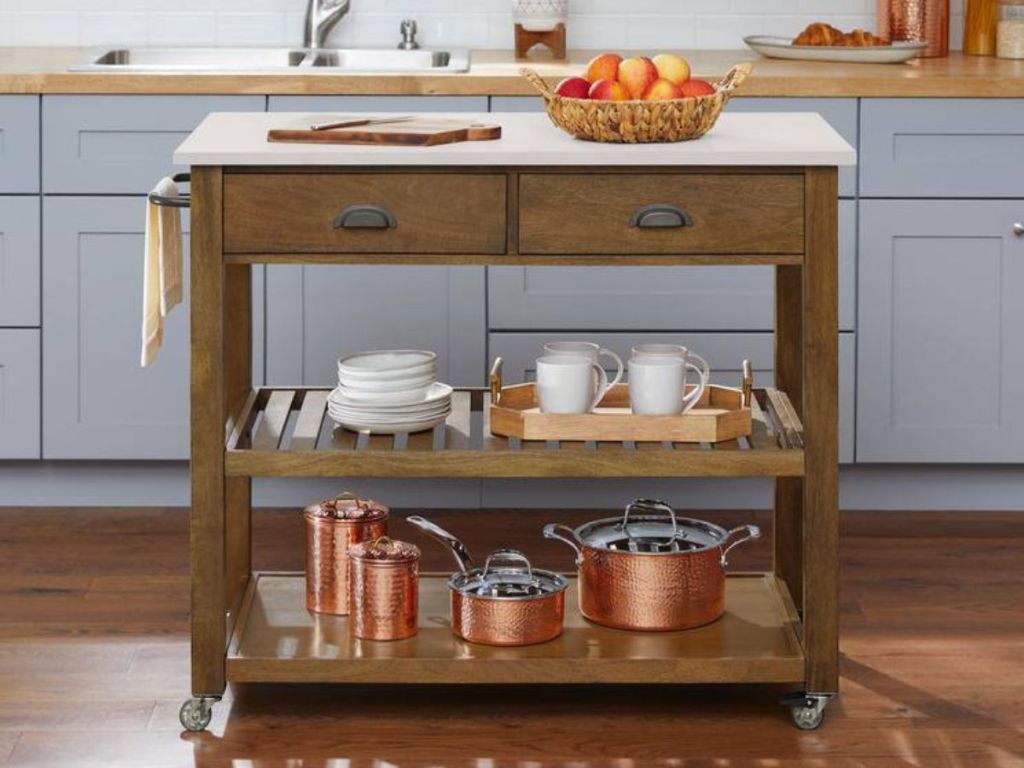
x=508, y=575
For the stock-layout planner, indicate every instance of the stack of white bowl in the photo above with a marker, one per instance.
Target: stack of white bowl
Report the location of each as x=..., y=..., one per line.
x=389, y=391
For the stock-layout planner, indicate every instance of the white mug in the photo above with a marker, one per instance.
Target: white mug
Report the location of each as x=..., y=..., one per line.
x=701, y=368
x=656, y=385
x=586, y=349
x=566, y=384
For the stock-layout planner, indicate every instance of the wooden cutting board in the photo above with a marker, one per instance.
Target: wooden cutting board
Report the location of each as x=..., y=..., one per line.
x=419, y=132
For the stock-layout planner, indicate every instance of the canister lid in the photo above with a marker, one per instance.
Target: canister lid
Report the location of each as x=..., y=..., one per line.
x=385, y=550
x=348, y=506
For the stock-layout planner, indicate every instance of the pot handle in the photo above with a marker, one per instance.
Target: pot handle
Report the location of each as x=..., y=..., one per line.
x=752, y=531
x=552, y=531
x=462, y=557
x=651, y=505
x=508, y=556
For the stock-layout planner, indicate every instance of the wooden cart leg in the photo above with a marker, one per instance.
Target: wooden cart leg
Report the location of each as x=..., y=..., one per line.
x=207, y=533
x=821, y=434
x=789, y=503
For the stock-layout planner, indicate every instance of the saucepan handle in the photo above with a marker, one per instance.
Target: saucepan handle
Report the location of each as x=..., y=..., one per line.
x=458, y=549
x=752, y=532
x=554, y=531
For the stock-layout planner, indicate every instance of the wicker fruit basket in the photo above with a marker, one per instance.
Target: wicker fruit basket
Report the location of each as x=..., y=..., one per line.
x=639, y=122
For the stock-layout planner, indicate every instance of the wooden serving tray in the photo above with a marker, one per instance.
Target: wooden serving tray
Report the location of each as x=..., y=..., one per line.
x=722, y=413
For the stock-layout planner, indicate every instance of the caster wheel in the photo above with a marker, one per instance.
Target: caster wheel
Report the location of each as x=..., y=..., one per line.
x=195, y=713
x=807, y=709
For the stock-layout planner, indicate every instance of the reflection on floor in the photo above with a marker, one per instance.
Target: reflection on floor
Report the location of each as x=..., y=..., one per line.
x=94, y=662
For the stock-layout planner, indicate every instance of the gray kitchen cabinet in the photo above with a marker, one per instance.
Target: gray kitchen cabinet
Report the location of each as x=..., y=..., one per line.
x=19, y=144
x=19, y=261
x=19, y=393
x=954, y=148
x=655, y=298
x=98, y=403
x=121, y=144
x=724, y=352
x=315, y=314
x=940, y=358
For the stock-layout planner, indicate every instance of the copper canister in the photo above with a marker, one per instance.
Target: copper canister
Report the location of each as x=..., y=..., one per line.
x=332, y=527
x=925, y=21
x=384, y=581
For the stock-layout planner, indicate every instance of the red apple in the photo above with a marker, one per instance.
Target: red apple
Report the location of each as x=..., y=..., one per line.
x=609, y=90
x=673, y=68
x=662, y=89
x=603, y=67
x=637, y=75
x=573, y=88
x=697, y=88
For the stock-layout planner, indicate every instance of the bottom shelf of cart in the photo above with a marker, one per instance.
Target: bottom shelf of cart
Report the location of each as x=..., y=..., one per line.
x=277, y=640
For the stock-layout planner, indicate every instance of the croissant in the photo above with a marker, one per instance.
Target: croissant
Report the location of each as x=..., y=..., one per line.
x=820, y=33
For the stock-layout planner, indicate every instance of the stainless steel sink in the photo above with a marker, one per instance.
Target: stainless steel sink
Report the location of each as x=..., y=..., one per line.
x=272, y=60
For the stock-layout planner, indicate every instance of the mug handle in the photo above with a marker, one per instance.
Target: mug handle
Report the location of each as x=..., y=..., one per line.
x=602, y=385
x=704, y=376
x=618, y=363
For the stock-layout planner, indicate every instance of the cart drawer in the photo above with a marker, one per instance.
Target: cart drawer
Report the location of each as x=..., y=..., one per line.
x=365, y=213
x=661, y=213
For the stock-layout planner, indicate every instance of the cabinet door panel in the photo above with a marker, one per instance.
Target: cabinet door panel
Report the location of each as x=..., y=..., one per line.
x=122, y=144
x=19, y=144
x=655, y=298
x=98, y=402
x=19, y=261
x=19, y=393
x=724, y=352
x=940, y=361
x=941, y=147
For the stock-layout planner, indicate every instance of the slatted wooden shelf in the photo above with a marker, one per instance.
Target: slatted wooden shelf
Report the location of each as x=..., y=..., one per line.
x=286, y=432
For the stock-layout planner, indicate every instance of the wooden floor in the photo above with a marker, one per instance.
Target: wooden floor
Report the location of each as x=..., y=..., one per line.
x=94, y=662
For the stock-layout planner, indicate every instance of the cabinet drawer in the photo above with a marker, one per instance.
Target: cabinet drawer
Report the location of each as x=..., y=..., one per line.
x=415, y=213
x=942, y=147
x=19, y=261
x=724, y=352
x=724, y=213
x=19, y=394
x=122, y=144
x=19, y=144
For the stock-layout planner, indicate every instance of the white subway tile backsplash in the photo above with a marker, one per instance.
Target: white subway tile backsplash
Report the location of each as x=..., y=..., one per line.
x=602, y=24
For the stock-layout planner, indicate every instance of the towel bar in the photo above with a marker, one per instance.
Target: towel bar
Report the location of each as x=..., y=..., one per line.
x=181, y=201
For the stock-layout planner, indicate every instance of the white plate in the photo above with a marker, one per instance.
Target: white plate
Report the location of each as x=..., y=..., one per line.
x=371, y=418
x=357, y=425
x=379, y=363
x=783, y=48
x=415, y=412
x=397, y=385
x=435, y=394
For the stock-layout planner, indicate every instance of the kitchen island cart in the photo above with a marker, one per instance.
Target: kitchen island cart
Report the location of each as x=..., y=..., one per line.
x=758, y=190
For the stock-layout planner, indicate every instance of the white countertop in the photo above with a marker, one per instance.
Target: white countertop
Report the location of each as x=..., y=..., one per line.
x=794, y=139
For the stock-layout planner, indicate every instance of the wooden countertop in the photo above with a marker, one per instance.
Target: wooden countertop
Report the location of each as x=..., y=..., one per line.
x=495, y=73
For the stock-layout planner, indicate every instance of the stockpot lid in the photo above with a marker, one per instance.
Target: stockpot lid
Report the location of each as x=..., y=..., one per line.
x=348, y=507
x=651, y=527
x=508, y=575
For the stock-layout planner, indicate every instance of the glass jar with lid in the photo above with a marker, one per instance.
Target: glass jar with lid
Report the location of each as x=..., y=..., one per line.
x=1010, y=30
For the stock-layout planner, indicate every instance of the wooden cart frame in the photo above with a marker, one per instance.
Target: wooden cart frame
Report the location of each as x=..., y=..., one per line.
x=239, y=432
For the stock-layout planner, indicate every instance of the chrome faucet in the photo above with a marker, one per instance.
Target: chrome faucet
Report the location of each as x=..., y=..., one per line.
x=321, y=15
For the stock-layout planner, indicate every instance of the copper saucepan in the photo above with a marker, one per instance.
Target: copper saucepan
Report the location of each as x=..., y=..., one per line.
x=649, y=569
x=507, y=602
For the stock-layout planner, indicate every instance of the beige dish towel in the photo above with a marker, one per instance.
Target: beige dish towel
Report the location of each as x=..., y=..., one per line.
x=162, y=289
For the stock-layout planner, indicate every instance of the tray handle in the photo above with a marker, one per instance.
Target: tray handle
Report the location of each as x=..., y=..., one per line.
x=748, y=384
x=495, y=380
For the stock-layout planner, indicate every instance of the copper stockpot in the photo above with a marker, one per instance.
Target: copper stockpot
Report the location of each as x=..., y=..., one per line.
x=650, y=570
x=332, y=526
x=507, y=602
x=383, y=583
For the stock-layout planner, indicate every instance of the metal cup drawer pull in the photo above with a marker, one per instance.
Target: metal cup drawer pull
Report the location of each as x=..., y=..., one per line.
x=365, y=217
x=660, y=216
x=1018, y=229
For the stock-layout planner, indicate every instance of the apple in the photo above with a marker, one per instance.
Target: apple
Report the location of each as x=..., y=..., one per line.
x=573, y=88
x=672, y=68
x=609, y=90
x=697, y=88
x=603, y=67
x=637, y=74
x=662, y=89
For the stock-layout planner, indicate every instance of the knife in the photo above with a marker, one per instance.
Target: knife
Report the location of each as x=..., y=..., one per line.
x=359, y=122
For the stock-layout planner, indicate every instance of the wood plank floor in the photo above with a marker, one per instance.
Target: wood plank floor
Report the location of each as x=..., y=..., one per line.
x=94, y=662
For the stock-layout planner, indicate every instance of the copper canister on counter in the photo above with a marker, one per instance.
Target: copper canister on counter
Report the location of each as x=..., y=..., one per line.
x=384, y=580
x=923, y=21
x=333, y=526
